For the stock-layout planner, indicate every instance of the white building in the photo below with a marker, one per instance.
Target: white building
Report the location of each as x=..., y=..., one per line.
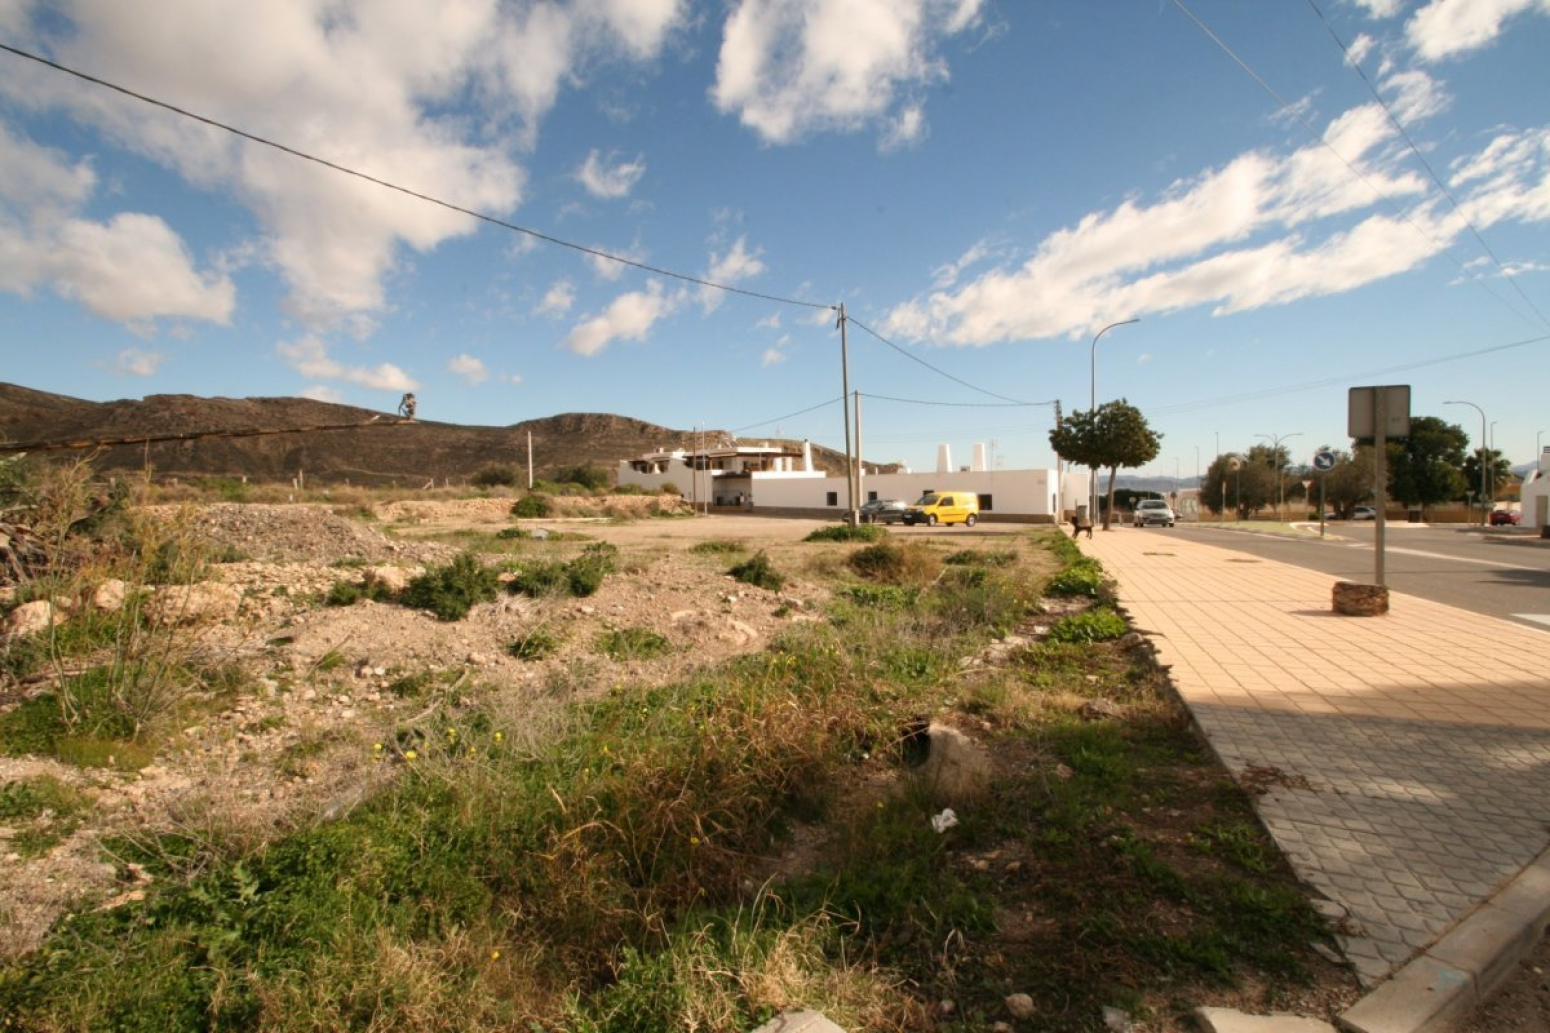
x=777, y=480
x=1536, y=494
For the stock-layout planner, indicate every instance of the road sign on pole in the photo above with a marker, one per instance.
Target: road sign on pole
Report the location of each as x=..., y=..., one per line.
x=1379, y=413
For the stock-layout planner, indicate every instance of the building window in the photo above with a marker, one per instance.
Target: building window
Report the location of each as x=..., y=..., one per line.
x=871, y=496
x=834, y=499
x=986, y=504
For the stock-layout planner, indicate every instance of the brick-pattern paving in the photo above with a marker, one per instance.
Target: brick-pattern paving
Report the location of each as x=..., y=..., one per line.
x=1405, y=758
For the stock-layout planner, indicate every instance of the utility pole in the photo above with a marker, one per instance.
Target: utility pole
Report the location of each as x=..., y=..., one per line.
x=850, y=459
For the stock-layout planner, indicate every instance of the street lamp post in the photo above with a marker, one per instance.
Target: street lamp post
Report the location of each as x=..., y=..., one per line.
x=1485, y=492
x=1092, y=490
x=1275, y=455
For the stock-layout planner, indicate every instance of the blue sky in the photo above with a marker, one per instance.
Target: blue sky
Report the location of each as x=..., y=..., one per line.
x=984, y=185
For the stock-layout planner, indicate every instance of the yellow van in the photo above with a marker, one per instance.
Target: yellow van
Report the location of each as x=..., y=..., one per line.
x=944, y=507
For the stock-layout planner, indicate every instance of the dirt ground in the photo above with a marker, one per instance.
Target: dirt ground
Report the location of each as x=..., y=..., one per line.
x=334, y=681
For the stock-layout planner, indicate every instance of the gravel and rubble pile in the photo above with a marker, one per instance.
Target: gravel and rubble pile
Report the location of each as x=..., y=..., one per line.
x=300, y=533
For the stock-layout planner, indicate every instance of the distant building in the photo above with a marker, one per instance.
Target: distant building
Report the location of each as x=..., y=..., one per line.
x=777, y=480
x=1536, y=493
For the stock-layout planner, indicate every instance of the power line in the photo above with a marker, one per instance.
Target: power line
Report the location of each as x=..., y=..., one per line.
x=1409, y=142
x=961, y=405
x=788, y=416
x=428, y=198
x=1275, y=392
x=939, y=372
x=1291, y=110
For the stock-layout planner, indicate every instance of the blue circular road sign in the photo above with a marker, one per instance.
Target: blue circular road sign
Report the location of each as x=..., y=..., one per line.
x=1324, y=461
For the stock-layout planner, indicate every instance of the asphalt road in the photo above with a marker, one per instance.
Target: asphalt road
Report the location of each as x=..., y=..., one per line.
x=1503, y=574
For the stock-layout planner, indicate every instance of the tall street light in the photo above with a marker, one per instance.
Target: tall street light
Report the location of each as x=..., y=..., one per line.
x=1485, y=492
x=1275, y=444
x=1092, y=491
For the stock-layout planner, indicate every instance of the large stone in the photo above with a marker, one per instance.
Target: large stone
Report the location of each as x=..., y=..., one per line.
x=956, y=769
x=109, y=596
x=1230, y=1020
x=799, y=1022
x=195, y=604
x=394, y=579
x=32, y=618
x=1358, y=600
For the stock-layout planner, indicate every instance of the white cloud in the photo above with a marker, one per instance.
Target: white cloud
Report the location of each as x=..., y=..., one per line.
x=134, y=362
x=730, y=268
x=609, y=181
x=309, y=357
x=610, y=270
x=558, y=299
x=1359, y=48
x=776, y=354
x=788, y=68
x=373, y=86
x=131, y=269
x=471, y=369
x=323, y=393
x=1414, y=96
x=1380, y=8
x=510, y=378
x=769, y=322
x=945, y=276
x=1263, y=230
x=1447, y=28
x=628, y=317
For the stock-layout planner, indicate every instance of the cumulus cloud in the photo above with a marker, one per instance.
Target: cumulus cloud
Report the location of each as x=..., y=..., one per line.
x=558, y=299
x=1380, y=8
x=135, y=362
x=1414, y=95
x=373, y=86
x=471, y=369
x=323, y=393
x=133, y=268
x=628, y=317
x=775, y=355
x=609, y=181
x=1263, y=230
x=730, y=268
x=309, y=357
x=1448, y=28
x=788, y=68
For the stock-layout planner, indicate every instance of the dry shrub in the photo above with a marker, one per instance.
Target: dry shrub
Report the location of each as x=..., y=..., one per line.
x=895, y=564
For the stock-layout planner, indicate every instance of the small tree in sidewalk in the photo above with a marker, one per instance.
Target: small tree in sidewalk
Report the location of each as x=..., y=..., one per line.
x=1111, y=436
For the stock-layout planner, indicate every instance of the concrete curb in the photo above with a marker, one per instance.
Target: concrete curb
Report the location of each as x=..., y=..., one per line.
x=1442, y=985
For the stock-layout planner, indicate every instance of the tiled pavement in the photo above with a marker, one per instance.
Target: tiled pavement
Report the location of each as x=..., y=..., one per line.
x=1406, y=758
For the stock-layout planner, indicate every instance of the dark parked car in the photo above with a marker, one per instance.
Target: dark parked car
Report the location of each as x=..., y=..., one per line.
x=883, y=511
x=1505, y=517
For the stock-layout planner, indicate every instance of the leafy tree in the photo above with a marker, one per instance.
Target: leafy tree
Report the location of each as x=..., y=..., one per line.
x=1424, y=466
x=1244, y=483
x=1497, y=470
x=1112, y=436
x=1350, y=482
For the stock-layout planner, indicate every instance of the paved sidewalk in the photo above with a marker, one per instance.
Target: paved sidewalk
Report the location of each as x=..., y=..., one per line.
x=1406, y=758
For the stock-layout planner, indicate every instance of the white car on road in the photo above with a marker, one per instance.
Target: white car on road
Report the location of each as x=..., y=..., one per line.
x=1152, y=511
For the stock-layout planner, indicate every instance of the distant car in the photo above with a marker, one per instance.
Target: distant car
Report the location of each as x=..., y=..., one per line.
x=1152, y=511
x=883, y=511
x=1505, y=517
x=1364, y=513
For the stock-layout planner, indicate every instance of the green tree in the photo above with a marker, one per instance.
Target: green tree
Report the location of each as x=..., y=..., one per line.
x=1497, y=470
x=1112, y=436
x=1350, y=482
x=1424, y=466
x=1244, y=483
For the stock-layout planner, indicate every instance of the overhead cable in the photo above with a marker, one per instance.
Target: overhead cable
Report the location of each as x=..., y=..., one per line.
x=428, y=198
x=788, y=416
x=1421, y=157
x=1275, y=392
x=961, y=405
x=1291, y=110
x=939, y=372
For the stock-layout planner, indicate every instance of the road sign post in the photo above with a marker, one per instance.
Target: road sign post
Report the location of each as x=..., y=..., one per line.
x=1323, y=462
x=1379, y=413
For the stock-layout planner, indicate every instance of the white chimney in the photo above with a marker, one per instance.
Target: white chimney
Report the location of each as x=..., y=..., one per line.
x=807, y=456
x=979, y=457
x=944, y=459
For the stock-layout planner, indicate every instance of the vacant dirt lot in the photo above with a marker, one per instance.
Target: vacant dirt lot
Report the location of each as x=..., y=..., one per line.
x=332, y=682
